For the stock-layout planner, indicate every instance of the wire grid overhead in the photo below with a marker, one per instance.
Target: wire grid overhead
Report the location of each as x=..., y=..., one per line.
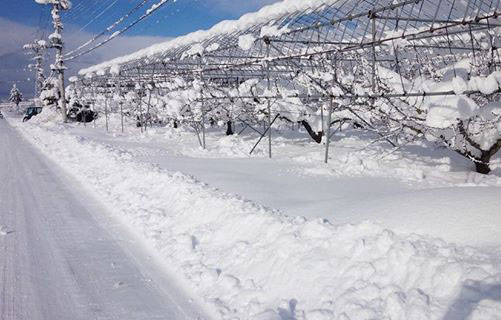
x=398, y=35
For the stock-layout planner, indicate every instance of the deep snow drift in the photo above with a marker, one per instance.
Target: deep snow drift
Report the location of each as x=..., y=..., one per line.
x=401, y=190
x=252, y=262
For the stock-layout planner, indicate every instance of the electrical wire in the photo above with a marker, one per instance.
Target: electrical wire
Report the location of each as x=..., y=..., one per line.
x=109, y=28
x=149, y=12
x=99, y=15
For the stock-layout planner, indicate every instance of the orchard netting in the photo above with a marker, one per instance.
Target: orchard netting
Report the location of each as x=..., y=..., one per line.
x=404, y=70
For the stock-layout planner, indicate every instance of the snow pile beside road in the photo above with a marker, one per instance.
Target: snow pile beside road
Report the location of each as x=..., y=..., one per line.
x=250, y=262
x=414, y=164
x=233, y=146
x=186, y=143
x=48, y=115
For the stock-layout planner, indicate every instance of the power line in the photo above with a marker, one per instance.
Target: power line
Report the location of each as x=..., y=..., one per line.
x=111, y=27
x=149, y=12
x=151, y=22
x=78, y=10
x=99, y=15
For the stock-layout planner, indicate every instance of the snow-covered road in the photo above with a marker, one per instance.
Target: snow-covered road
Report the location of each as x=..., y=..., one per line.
x=247, y=261
x=62, y=257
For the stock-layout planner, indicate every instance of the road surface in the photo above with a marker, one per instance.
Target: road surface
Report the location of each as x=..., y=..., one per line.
x=62, y=257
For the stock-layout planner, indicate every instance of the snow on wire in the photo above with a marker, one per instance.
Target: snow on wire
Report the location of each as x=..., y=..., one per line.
x=71, y=55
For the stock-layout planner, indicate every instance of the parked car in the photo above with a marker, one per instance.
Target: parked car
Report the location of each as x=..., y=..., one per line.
x=31, y=112
x=81, y=113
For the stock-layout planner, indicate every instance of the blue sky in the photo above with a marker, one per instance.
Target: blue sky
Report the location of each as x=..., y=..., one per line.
x=176, y=18
x=21, y=21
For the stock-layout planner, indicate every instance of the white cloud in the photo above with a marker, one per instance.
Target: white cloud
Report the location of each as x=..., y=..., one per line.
x=14, y=61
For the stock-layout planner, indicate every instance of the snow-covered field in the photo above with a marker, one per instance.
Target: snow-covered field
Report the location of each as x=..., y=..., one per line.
x=409, y=234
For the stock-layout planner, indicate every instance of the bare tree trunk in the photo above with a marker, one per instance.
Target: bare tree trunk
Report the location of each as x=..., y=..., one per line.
x=316, y=136
x=229, y=128
x=483, y=163
x=482, y=167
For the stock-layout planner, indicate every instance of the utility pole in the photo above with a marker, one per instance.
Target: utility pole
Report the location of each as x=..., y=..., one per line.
x=37, y=49
x=56, y=42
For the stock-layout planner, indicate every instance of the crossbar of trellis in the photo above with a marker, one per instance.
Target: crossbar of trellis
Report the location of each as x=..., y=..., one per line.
x=327, y=31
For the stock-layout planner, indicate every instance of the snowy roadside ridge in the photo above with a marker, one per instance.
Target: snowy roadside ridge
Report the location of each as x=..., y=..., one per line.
x=349, y=157
x=250, y=262
x=420, y=172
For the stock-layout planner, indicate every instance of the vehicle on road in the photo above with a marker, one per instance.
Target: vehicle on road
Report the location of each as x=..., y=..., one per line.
x=31, y=112
x=80, y=113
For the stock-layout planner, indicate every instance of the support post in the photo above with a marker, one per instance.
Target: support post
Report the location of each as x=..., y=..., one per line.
x=39, y=70
x=149, y=97
x=202, y=101
x=82, y=97
x=37, y=49
x=140, y=100
x=267, y=40
x=94, y=99
x=328, y=135
x=322, y=118
x=122, y=116
x=106, y=112
x=58, y=44
x=203, y=121
x=120, y=102
x=264, y=134
x=373, y=84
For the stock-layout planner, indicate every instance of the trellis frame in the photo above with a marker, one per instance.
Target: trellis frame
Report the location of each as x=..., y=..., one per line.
x=348, y=30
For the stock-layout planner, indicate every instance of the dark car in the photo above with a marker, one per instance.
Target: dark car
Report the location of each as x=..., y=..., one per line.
x=81, y=113
x=31, y=112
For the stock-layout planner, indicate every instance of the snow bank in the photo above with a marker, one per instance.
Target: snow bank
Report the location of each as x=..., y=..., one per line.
x=48, y=115
x=233, y=146
x=250, y=262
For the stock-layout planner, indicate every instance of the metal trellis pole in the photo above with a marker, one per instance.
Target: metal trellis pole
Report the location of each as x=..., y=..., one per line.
x=328, y=135
x=106, y=112
x=94, y=104
x=120, y=102
x=140, y=101
x=202, y=102
x=269, y=101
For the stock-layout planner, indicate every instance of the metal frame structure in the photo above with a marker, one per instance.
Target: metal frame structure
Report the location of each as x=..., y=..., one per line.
x=327, y=36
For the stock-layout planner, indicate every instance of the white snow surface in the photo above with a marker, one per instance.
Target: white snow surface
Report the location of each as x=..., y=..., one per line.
x=252, y=262
x=64, y=257
x=245, y=42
